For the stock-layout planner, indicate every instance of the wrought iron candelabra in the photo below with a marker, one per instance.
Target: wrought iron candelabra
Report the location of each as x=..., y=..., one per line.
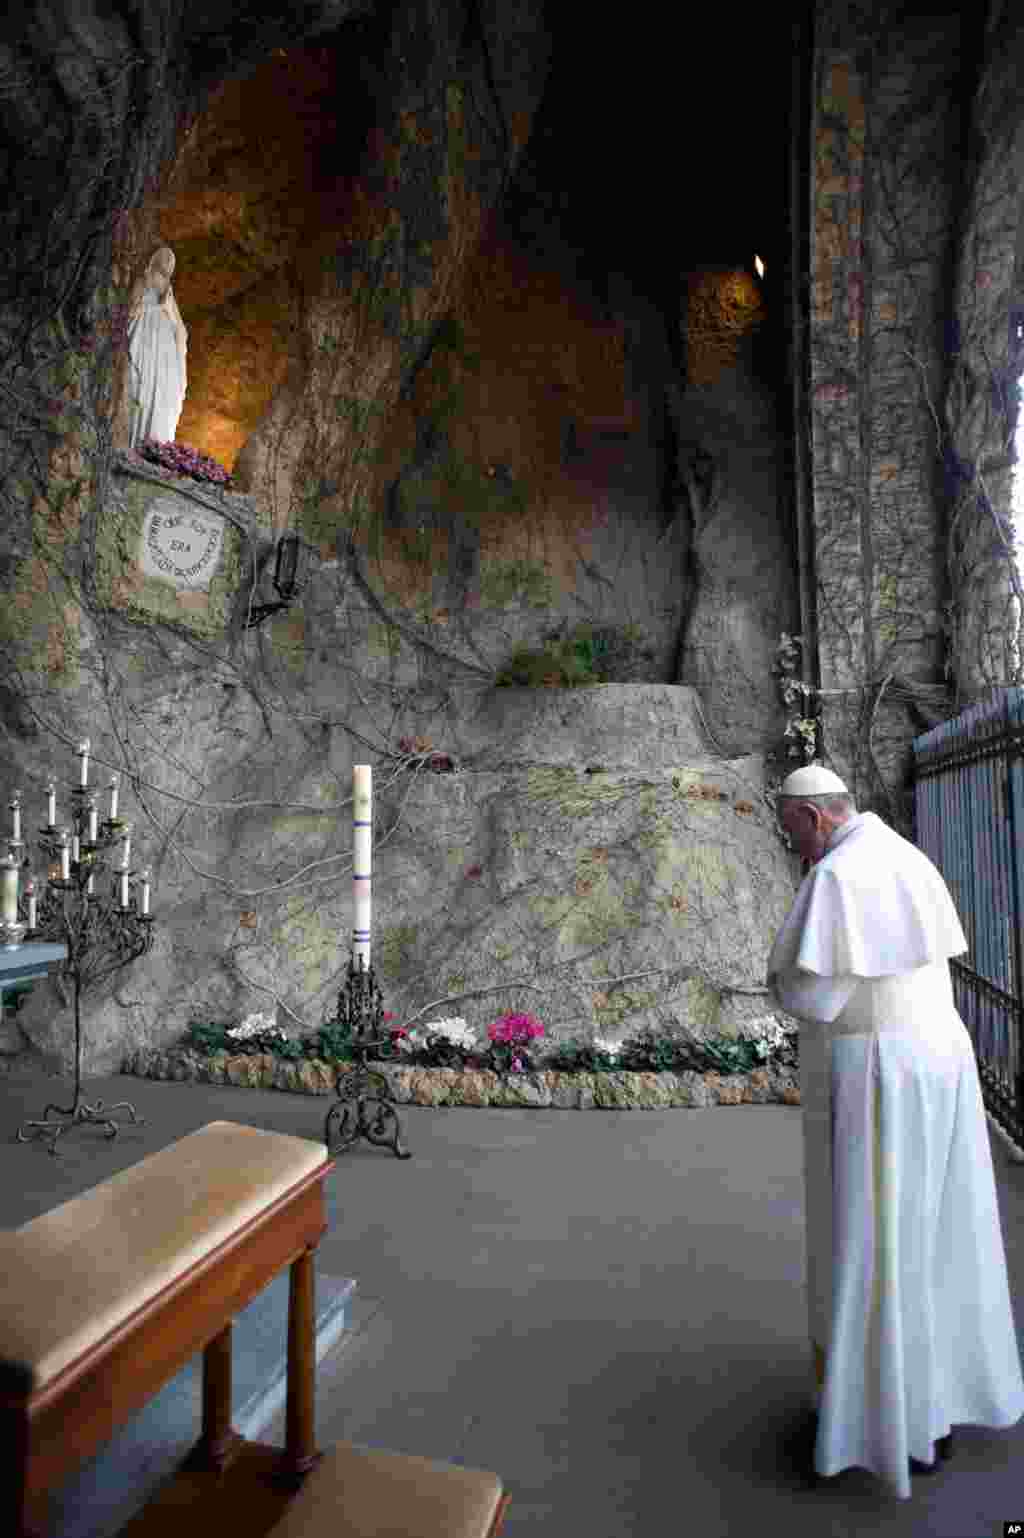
x=102, y=930
x=365, y=1106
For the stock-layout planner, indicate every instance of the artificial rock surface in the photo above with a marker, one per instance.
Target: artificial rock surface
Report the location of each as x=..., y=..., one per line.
x=585, y=858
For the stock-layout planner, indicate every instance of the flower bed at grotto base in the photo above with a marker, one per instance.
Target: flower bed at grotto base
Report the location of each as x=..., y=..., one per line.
x=445, y=1063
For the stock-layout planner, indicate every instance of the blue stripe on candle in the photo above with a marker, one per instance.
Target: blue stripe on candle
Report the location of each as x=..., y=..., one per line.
x=362, y=878
x=357, y=824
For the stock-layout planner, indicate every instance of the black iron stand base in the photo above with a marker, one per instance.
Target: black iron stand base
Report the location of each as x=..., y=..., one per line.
x=75, y=1116
x=364, y=1110
x=365, y=1107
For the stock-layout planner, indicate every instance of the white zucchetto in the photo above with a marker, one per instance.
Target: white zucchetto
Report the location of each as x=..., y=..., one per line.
x=814, y=780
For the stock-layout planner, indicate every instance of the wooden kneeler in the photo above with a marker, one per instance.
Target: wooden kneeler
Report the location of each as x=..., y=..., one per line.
x=362, y=1492
x=351, y=1492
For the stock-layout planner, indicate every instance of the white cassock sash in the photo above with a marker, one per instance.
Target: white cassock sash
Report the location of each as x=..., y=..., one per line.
x=896, y=1158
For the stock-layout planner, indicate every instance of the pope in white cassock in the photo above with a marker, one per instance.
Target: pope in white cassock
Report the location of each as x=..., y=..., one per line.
x=909, y=1305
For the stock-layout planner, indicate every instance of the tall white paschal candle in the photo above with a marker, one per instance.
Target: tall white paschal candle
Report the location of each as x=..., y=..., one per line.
x=362, y=860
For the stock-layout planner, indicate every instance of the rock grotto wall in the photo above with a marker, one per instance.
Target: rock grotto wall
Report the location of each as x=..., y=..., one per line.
x=916, y=175
x=584, y=859
x=546, y=443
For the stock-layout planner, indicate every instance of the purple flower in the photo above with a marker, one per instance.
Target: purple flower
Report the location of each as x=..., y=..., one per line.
x=517, y=1065
x=182, y=459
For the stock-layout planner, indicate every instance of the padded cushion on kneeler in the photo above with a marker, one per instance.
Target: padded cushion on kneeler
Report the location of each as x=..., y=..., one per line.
x=71, y=1276
x=361, y=1492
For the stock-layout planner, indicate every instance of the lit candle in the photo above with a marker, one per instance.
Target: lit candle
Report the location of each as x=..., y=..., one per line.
x=362, y=861
x=126, y=851
x=83, y=749
x=65, y=856
x=16, y=817
x=124, y=889
x=114, y=781
x=145, y=891
x=30, y=893
x=88, y=885
x=94, y=831
x=51, y=802
x=9, y=889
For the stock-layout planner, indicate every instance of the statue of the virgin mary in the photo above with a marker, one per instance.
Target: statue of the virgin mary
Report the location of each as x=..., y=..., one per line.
x=157, y=345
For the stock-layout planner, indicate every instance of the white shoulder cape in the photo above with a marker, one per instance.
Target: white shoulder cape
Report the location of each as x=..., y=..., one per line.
x=873, y=906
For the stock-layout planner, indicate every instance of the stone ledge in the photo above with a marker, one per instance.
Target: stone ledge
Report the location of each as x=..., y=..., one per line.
x=549, y=1088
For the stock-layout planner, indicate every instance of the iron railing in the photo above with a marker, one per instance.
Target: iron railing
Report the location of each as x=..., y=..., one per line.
x=969, y=815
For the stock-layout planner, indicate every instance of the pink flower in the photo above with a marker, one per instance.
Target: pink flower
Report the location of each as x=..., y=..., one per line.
x=515, y=1028
x=517, y=1065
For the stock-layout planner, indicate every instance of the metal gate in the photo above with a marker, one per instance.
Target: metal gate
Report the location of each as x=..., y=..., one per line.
x=969, y=815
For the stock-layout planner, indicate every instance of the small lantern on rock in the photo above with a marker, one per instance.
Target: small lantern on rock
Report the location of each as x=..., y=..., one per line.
x=291, y=573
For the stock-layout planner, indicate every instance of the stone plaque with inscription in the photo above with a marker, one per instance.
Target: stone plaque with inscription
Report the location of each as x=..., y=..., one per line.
x=163, y=553
x=180, y=545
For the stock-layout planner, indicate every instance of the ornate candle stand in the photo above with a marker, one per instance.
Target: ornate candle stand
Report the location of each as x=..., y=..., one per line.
x=101, y=937
x=361, y=1007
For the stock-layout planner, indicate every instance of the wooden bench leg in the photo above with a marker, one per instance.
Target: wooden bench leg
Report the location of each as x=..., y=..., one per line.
x=300, y=1452
x=219, y=1441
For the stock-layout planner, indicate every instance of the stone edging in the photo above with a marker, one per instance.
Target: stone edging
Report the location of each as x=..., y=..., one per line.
x=618, y=1091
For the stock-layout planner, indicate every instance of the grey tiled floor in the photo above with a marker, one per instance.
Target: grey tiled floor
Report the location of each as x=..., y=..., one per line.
x=606, y=1308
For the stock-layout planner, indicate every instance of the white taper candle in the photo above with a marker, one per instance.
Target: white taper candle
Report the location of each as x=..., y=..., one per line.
x=9, y=890
x=83, y=749
x=145, y=892
x=124, y=889
x=30, y=893
x=94, y=830
x=65, y=856
x=76, y=848
x=16, y=817
x=126, y=851
x=51, y=803
x=114, y=782
x=362, y=861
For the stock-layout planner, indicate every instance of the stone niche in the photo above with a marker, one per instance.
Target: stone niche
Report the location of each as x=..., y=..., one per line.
x=172, y=551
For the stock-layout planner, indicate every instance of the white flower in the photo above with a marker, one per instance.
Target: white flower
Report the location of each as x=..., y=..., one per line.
x=454, y=1030
x=255, y=1025
x=767, y=1034
x=612, y=1048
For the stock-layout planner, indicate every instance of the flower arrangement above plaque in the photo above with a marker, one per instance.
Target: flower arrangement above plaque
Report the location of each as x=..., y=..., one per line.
x=182, y=547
